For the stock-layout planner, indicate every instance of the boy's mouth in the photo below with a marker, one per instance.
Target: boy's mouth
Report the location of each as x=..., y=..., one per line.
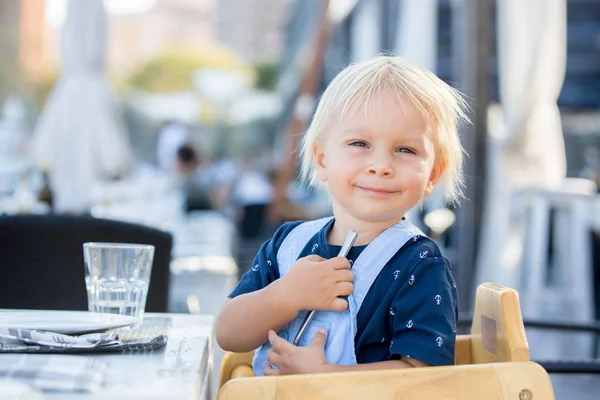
x=376, y=191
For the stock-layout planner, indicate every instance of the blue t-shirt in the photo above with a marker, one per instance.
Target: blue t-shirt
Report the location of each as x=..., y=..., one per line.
x=410, y=310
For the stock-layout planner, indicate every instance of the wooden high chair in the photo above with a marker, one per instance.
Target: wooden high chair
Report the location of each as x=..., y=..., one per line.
x=491, y=363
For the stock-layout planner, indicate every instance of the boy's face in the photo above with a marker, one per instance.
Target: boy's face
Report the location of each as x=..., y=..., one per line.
x=379, y=165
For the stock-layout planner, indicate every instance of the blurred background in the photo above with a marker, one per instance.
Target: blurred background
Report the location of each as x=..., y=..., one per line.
x=184, y=116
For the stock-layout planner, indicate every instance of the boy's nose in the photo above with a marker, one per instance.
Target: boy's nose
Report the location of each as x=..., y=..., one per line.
x=382, y=169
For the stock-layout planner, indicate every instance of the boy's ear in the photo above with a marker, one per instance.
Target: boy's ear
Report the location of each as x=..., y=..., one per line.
x=320, y=167
x=436, y=173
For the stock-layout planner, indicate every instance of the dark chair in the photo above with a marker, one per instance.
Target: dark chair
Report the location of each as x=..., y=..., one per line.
x=41, y=260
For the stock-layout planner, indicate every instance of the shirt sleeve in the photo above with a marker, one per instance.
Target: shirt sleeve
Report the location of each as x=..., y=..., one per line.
x=264, y=269
x=424, y=314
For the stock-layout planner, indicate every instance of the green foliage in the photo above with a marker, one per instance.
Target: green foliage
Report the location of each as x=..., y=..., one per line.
x=42, y=87
x=267, y=75
x=173, y=71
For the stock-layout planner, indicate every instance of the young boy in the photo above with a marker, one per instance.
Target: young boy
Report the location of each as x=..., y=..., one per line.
x=383, y=135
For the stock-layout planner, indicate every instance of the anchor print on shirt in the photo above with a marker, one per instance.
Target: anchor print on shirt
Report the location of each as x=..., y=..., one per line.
x=255, y=267
x=396, y=273
x=411, y=280
x=424, y=254
x=438, y=299
x=415, y=238
x=269, y=263
x=439, y=341
x=409, y=324
x=315, y=247
x=392, y=312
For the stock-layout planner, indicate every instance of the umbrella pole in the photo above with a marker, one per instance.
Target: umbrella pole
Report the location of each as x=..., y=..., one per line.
x=297, y=124
x=472, y=25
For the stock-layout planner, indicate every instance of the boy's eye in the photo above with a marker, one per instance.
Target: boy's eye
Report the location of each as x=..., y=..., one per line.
x=406, y=150
x=358, y=143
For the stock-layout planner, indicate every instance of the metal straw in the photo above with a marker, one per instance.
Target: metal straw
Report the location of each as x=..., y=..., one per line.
x=348, y=243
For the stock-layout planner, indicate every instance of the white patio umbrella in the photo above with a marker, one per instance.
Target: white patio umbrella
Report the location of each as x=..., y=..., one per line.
x=416, y=36
x=364, y=31
x=79, y=135
x=525, y=145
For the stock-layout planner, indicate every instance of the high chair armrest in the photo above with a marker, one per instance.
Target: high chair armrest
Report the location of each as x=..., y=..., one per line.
x=236, y=365
x=511, y=380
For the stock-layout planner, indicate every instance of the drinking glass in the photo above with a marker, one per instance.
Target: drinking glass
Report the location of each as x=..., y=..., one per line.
x=117, y=276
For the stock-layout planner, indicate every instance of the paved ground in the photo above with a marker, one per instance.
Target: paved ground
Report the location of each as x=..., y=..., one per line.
x=566, y=346
x=576, y=387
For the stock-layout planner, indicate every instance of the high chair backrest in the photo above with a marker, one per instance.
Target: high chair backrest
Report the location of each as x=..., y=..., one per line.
x=497, y=330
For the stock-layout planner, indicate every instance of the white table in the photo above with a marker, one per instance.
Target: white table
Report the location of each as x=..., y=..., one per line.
x=180, y=370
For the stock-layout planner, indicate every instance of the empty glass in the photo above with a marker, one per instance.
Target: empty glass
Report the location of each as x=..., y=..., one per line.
x=117, y=276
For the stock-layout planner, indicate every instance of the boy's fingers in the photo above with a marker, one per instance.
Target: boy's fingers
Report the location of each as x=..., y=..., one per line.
x=273, y=357
x=279, y=344
x=339, y=263
x=314, y=258
x=270, y=371
x=339, y=304
x=344, y=288
x=319, y=339
x=344, y=275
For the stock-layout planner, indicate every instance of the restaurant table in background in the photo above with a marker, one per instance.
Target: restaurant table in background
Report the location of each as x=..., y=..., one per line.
x=180, y=370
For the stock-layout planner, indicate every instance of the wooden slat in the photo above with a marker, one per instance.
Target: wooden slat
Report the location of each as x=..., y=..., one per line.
x=486, y=381
x=462, y=352
x=497, y=333
x=233, y=361
x=242, y=371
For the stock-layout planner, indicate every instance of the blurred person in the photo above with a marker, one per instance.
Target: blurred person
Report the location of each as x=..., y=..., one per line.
x=171, y=137
x=222, y=174
x=383, y=135
x=197, y=191
x=12, y=127
x=187, y=161
x=591, y=168
x=252, y=193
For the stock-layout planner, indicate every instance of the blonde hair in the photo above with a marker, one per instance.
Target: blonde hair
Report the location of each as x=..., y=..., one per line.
x=441, y=107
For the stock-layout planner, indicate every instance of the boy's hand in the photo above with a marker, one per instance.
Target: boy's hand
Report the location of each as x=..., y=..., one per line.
x=291, y=359
x=314, y=283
